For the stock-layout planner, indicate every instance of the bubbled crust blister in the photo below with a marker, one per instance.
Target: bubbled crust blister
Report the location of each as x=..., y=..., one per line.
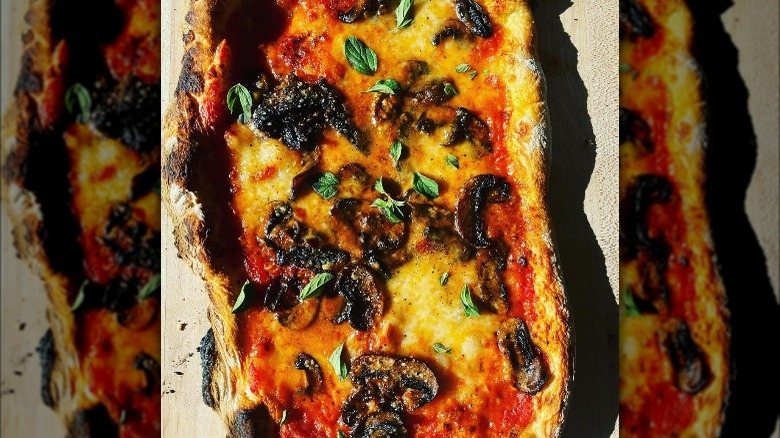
x=185, y=136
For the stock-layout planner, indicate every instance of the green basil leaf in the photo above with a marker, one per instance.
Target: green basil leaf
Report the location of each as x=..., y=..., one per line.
x=240, y=100
x=284, y=418
x=245, y=298
x=360, y=56
x=445, y=277
x=462, y=68
x=386, y=86
x=77, y=94
x=338, y=365
x=472, y=75
x=80, y=296
x=325, y=185
x=452, y=160
x=629, y=305
x=440, y=348
x=425, y=186
x=341, y=434
x=469, y=309
x=403, y=14
x=449, y=89
x=150, y=288
x=391, y=210
x=315, y=286
x=396, y=149
x=123, y=416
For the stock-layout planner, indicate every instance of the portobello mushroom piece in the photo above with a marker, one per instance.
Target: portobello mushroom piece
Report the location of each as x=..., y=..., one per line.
x=528, y=370
x=469, y=127
x=692, y=373
x=364, y=300
x=120, y=294
x=452, y=28
x=251, y=423
x=403, y=384
x=355, y=180
x=46, y=357
x=491, y=289
x=380, y=425
x=297, y=112
x=208, y=361
x=652, y=295
x=129, y=113
x=633, y=128
x=372, y=227
x=635, y=21
x=431, y=93
x=131, y=241
x=474, y=17
x=472, y=199
x=386, y=107
x=413, y=70
x=438, y=231
x=281, y=297
x=151, y=370
x=367, y=8
x=645, y=191
x=314, y=377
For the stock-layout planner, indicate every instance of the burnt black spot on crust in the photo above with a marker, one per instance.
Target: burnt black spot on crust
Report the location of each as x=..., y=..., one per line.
x=208, y=362
x=95, y=421
x=29, y=81
x=46, y=357
x=190, y=81
x=130, y=112
x=251, y=423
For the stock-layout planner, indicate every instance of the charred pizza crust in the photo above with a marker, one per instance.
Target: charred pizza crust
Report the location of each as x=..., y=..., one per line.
x=201, y=210
x=46, y=161
x=674, y=354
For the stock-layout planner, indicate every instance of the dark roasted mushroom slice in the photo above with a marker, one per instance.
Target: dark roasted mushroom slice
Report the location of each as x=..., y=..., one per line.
x=46, y=357
x=439, y=230
x=528, y=370
x=129, y=113
x=633, y=128
x=355, y=180
x=365, y=302
x=468, y=127
x=380, y=425
x=314, y=377
x=491, y=289
x=431, y=93
x=644, y=191
x=474, y=17
x=652, y=295
x=634, y=20
x=367, y=8
x=451, y=29
x=472, y=199
x=403, y=383
x=373, y=229
x=297, y=112
x=414, y=69
x=313, y=259
x=151, y=370
x=692, y=374
x=281, y=297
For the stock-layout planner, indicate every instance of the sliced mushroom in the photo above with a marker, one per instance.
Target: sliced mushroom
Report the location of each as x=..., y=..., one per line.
x=689, y=363
x=281, y=297
x=134, y=101
x=380, y=425
x=451, y=29
x=151, y=370
x=386, y=384
x=367, y=8
x=652, y=295
x=491, y=289
x=528, y=370
x=386, y=107
x=431, y=93
x=313, y=259
x=310, y=161
x=413, y=70
x=471, y=14
x=355, y=180
x=633, y=128
x=634, y=20
x=314, y=377
x=46, y=357
x=439, y=231
x=472, y=199
x=469, y=127
x=297, y=112
x=645, y=191
x=364, y=300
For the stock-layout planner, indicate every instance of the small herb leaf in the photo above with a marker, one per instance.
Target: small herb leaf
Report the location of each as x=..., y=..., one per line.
x=396, y=149
x=239, y=100
x=386, y=86
x=77, y=94
x=80, y=296
x=469, y=309
x=123, y=416
x=245, y=297
x=284, y=418
x=403, y=14
x=425, y=186
x=449, y=89
x=341, y=434
x=150, y=288
x=629, y=305
x=338, y=365
x=360, y=56
x=445, y=277
x=315, y=286
x=325, y=185
x=391, y=211
x=462, y=68
x=452, y=160
x=472, y=75
x=440, y=348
